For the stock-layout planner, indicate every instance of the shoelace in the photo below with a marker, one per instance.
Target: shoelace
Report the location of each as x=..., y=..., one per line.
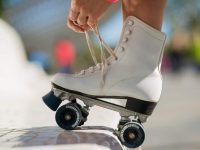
x=104, y=61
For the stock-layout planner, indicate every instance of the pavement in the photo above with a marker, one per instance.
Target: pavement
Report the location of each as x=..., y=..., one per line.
x=175, y=124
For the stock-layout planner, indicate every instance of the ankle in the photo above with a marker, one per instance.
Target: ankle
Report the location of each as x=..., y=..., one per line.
x=151, y=21
x=150, y=12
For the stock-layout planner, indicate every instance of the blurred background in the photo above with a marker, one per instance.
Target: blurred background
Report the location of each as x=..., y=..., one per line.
x=51, y=45
x=36, y=43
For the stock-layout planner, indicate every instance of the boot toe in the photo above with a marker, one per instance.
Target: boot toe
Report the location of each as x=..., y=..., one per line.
x=63, y=80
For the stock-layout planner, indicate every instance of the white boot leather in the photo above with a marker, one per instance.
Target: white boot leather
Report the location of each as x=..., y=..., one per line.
x=136, y=72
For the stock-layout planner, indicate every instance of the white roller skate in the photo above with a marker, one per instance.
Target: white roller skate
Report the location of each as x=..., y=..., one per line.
x=130, y=75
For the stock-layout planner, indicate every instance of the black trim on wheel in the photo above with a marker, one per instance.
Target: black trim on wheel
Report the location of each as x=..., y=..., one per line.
x=68, y=116
x=132, y=135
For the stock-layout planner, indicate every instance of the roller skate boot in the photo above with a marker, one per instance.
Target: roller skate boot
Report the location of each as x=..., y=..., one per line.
x=129, y=82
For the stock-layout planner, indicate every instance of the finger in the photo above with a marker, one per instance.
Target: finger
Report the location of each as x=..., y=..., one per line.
x=82, y=19
x=86, y=27
x=76, y=23
x=74, y=27
x=91, y=22
x=73, y=15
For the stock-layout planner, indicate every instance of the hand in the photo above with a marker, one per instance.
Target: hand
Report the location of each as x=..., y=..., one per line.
x=85, y=14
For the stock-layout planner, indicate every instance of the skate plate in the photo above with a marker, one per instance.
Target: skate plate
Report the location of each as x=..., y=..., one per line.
x=64, y=95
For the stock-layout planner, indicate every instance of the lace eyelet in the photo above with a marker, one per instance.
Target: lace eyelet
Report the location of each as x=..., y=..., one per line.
x=122, y=48
x=108, y=63
x=91, y=70
x=82, y=72
x=125, y=39
x=130, y=22
x=128, y=32
x=98, y=66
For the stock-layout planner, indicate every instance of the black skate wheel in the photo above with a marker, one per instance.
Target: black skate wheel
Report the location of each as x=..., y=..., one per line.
x=68, y=116
x=132, y=135
x=52, y=101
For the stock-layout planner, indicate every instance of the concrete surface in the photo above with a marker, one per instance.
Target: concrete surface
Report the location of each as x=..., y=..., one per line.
x=50, y=136
x=175, y=124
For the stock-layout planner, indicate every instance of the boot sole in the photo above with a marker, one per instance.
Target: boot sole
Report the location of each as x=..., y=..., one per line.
x=132, y=105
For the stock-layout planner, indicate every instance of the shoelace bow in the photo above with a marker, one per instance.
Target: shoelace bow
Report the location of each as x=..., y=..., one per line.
x=104, y=61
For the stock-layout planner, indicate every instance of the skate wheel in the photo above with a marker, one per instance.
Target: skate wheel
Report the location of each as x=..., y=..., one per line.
x=68, y=116
x=52, y=101
x=132, y=135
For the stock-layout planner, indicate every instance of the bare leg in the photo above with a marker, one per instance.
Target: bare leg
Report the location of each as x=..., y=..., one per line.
x=149, y=11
